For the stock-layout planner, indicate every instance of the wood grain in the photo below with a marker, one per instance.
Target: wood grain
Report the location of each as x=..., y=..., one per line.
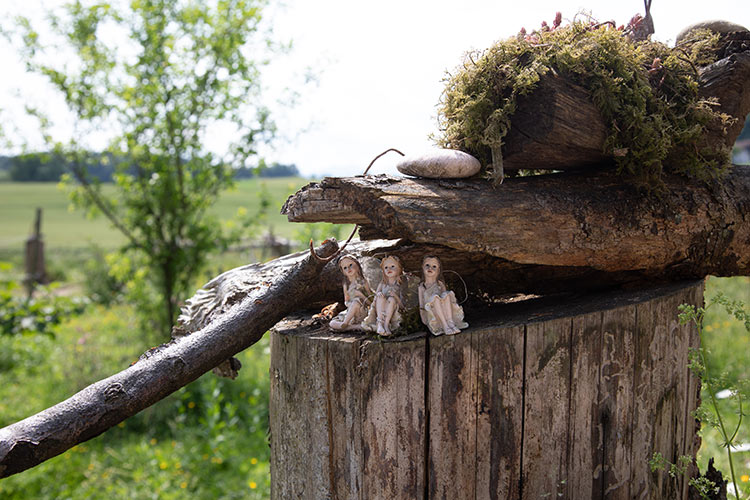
x=539, y=400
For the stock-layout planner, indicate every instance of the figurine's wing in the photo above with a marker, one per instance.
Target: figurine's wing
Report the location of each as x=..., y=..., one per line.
x=371, y=270
x=410, y=290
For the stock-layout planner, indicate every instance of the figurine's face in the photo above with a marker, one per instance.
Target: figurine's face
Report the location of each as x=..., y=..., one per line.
x=431, y=267
x=391, y=268
x=349, y=268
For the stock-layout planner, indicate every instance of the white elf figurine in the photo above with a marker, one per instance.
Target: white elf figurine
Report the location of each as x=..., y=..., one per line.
x=437, y=305
x=384, y=316
x=357, y=295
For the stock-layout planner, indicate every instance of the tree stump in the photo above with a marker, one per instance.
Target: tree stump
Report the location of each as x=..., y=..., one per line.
x=545, y=398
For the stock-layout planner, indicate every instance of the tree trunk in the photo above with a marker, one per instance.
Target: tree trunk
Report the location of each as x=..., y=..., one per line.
x=538, y=399
x=571, y=221
x=229, y=325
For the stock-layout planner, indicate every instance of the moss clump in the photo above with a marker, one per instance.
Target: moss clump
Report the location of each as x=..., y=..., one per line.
x=646, y=91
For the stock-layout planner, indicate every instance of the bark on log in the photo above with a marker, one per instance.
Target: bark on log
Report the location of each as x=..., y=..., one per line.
x=582, y=223
x=259, y=298
x=554, y=128
x=558, y=127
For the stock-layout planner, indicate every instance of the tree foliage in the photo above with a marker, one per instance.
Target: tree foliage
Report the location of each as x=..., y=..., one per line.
x=157, y=76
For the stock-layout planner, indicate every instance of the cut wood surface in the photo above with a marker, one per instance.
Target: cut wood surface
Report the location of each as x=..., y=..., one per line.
x=574, y=222
x=537, y=399
x=260, y=297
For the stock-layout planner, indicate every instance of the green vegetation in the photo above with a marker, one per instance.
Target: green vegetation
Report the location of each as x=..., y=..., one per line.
x=728, y=386
x=69, y=235
x=646, y=91
x=46, y=167
x=207, y=441
x=37, y=313
x=174, y=72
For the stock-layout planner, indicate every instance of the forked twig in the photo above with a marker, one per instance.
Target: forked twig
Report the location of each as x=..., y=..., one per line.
x=381, y=154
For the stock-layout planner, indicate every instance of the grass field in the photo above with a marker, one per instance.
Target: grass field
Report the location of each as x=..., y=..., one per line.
x=66, y=229
x=207, y=441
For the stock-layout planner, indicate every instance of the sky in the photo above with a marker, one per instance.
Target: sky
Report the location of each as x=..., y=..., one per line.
x=380, y=67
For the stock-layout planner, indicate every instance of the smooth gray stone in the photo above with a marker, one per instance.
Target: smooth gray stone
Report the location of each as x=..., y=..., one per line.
x=440, y=164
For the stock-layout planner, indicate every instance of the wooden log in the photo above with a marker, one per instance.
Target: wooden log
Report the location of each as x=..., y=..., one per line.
x=534, y=400
x=557, y=126
x=588, y=222
x=554, y=128
x=727, y=80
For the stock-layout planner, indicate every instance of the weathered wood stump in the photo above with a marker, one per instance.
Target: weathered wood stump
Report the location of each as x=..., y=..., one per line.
x=546, y=398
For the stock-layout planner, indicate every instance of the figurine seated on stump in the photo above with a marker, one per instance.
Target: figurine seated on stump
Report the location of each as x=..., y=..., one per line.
x=384, y=316
x=357, y=295
x=438, y=307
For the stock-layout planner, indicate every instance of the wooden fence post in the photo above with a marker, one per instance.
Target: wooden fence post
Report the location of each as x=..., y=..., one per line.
x=35, y=268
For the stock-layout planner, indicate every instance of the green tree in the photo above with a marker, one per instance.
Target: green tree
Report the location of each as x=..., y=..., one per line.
x=36, y=167
x=157, y=75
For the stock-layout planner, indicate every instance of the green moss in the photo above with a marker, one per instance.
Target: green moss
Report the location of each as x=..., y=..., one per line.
x=647, y=93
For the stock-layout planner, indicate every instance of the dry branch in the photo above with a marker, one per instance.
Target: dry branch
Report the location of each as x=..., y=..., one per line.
x=257, y=300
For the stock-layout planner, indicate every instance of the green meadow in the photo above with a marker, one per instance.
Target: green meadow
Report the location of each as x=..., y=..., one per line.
x=208, y=440
x=64, y=228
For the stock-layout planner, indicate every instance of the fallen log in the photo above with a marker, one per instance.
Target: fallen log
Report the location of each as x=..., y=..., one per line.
x=570, y=220
x=259, y=297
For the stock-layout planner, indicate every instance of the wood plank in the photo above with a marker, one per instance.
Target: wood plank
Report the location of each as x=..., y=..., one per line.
x=568, y=407
x=499, y=412
x=299, y=403
x=665, y=396
x=453, y=413
x=680, y=356
x=393, y=418
x=585, y=458
x=692, y=424
x=646, y=343
x=616, y=399
x=345, y=389
x=546, y=392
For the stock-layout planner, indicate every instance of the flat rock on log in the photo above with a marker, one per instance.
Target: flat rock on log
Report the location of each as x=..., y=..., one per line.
x=440, y=164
